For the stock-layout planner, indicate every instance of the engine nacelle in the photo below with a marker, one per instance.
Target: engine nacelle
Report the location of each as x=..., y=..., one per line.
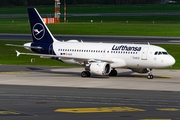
x=140, y=70
x=100, y=68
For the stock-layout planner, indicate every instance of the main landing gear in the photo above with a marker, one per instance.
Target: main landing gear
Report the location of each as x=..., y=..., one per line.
x=113, y=72
x=88, y=74
x=150, y=76
x=85, y=74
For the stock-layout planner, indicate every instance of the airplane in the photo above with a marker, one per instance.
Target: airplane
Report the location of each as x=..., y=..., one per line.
x=97, y=58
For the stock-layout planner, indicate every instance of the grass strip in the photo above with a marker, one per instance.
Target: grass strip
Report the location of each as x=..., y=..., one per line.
x=94, y=9
x=109, y=27
x=8, y=56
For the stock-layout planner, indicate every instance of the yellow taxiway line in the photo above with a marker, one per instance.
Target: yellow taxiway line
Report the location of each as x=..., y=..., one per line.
x=167, y=109
x=155, y=119
x=100, y=109
x=13, y=73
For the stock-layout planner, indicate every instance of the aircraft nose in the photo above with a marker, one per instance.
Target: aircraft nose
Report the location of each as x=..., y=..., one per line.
x=171, y=61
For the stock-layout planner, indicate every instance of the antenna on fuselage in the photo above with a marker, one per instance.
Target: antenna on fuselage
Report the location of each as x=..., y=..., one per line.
x=148, y=43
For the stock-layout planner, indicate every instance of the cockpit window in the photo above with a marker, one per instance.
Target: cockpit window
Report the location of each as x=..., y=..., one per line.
x=161, y=53
x=155, y=53
x=165, y=53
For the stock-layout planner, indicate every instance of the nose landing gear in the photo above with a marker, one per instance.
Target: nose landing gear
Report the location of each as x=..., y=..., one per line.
x=150, y=76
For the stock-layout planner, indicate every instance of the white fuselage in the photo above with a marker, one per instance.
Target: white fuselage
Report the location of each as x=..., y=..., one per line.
x=121, y=55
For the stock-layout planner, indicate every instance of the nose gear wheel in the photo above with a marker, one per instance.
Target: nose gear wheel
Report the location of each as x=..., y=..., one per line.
x=150, y=76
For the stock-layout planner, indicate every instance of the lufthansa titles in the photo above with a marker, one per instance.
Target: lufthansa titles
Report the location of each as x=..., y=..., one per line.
x=126, y=48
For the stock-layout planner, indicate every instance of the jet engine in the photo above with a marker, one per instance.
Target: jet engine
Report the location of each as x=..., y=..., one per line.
x=140, y=70
x=100, y=68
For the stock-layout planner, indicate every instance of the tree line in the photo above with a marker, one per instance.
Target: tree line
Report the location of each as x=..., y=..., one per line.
x=71, y=2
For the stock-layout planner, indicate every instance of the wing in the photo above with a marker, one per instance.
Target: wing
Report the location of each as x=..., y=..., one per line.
x=41, y=55
x=79, y=60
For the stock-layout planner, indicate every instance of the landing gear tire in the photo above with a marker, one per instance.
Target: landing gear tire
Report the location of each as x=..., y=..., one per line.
x=113, y=73
x=150, y=77
x=85, y=74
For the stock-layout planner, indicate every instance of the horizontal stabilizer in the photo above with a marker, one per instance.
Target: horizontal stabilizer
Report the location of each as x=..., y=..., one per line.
x=33, y=47
x=14, y=45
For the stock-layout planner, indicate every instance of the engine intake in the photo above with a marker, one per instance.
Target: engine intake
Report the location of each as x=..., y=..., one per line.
x=100, y=68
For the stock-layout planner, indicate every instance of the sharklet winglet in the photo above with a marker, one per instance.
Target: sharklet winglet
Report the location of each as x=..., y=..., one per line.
x=18, y=53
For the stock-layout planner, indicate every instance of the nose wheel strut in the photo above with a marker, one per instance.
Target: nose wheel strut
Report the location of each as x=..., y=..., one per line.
x=150, y=76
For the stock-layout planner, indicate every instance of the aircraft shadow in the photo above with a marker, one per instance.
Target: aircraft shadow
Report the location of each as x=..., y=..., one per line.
x=54, y=72
x=78, y=73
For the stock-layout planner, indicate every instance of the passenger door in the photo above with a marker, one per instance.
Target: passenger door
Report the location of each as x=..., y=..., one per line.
x=144, y=53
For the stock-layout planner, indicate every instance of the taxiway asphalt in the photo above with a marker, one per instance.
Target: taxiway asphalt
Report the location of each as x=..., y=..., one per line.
x=95, y=14
x=43, y=93
x=100, y=38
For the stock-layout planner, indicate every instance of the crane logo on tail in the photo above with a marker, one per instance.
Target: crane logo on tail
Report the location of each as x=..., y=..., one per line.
x=38, y=31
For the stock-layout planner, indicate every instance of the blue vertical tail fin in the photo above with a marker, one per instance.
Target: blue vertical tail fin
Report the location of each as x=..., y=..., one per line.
x=39, y=30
